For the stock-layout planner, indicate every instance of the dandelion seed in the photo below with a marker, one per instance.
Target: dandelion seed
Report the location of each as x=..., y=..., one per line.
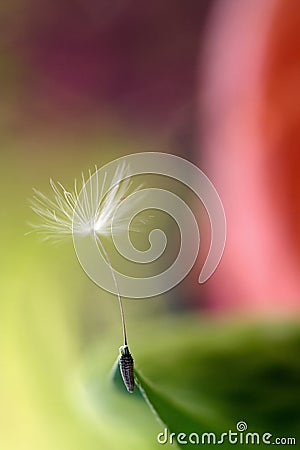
x=127, y=368
x=86, y=212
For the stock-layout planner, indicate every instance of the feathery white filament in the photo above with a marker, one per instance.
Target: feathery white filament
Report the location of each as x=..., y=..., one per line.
x=86, y=212
x=82, y=212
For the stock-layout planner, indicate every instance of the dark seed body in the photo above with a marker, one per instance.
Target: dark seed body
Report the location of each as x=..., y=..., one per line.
x=126, y=368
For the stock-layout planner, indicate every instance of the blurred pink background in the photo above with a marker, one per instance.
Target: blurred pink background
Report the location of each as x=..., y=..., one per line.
x=250, y=112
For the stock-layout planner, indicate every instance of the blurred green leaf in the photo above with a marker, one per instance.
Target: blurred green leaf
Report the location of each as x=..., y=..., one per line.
x=211, y=380
x=171, y=415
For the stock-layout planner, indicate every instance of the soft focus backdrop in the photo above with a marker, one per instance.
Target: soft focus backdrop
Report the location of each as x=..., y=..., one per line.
x=85, y=82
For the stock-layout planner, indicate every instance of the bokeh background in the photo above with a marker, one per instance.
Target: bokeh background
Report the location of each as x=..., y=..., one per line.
x=216, y=82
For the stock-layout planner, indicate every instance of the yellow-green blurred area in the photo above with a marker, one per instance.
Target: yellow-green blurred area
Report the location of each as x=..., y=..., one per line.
x=83, y=84
x=52, y=317
x=60, y=335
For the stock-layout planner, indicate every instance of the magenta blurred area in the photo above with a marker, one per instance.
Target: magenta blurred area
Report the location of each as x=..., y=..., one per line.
x=126, y=57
